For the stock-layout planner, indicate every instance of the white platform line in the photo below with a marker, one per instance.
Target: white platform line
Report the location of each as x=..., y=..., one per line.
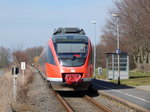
x=124, y=93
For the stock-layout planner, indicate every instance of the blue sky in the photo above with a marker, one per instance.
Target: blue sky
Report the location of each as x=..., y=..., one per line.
x=32, y=22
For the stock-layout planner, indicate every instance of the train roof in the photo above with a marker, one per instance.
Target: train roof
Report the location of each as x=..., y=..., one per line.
x=70, y=38
x=72, y=34
x=69, y=30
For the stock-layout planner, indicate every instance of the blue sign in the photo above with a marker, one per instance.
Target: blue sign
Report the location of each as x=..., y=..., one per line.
x=118, y=51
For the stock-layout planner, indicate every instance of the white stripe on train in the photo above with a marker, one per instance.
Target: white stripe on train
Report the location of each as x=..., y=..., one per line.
x=60, y=79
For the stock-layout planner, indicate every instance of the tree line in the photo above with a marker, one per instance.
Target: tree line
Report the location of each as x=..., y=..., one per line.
x=16, y=55
x=4, y=57
x=134, y=31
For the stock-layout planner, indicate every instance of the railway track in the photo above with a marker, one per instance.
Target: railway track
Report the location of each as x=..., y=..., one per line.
x=98, y=101
x=80, y=103
x=101, y=106
x=122, y=102
x=64, y=103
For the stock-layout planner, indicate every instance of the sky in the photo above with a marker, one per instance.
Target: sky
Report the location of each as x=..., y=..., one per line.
x=32, y=22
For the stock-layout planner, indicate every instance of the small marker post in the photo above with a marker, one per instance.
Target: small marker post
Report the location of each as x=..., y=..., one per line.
x=14, y=83
x=23, y=66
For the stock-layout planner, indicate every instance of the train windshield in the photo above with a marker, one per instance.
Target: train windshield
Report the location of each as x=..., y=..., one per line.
x=71, y=54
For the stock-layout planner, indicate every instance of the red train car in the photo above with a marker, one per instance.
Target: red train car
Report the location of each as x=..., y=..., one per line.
x=66, y=62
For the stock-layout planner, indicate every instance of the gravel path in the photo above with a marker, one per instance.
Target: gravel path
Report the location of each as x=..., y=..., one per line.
x=81, y=105
x=42, y=98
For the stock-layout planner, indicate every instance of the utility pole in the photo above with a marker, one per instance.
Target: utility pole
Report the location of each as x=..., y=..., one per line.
x=118, y=46
x=94, y=22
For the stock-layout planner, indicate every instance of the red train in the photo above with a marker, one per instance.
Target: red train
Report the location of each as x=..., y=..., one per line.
x=66, y=62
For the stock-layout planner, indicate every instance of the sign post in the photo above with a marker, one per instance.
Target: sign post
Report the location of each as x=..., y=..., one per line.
x=15, y=71
x=23, y=67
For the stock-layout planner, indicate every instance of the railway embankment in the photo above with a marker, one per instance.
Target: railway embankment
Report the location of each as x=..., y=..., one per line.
x=42, y=98
x=35, y=95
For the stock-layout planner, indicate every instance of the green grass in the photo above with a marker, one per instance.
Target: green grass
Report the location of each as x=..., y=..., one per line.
x=135, y=78
x=138, y=73
x=103, y=76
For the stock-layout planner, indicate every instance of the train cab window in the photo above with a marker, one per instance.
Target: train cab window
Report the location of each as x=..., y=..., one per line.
x=50, y=57
x=71, y=54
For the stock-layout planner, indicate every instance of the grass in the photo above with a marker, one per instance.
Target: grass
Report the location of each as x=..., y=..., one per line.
x=1, y=69
x=6, y=91
x=135, y=78
x=103, y=76
x=22, y=98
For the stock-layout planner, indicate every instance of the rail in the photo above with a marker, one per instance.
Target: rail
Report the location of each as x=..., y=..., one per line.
x=64, y=103
x=102, y=107
x=87, y=98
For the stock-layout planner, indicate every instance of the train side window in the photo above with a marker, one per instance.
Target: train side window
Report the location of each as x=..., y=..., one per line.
x=50, y=57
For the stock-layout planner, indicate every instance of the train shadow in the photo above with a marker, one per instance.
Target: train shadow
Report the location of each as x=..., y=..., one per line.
x=105, y=85
x=133, y=77
x=79, y=94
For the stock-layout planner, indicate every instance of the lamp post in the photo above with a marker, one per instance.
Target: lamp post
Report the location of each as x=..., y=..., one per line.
x=118, y=46
x=94, y=22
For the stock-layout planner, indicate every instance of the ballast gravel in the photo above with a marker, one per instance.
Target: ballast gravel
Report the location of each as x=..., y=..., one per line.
x=42, y=98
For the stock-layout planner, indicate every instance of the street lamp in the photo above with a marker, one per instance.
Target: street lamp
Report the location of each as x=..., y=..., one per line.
x=118, y=45
x=94, y=22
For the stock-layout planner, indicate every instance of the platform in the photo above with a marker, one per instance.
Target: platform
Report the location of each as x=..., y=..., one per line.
x=135, y=95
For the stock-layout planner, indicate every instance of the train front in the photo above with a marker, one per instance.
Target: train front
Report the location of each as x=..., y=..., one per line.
x=73, y=62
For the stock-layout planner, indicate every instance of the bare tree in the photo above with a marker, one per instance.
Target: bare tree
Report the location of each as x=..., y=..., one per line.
x=33, y=52
x=28, y=55
x=19, y=54
x=134, y=16
x=4, y=57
